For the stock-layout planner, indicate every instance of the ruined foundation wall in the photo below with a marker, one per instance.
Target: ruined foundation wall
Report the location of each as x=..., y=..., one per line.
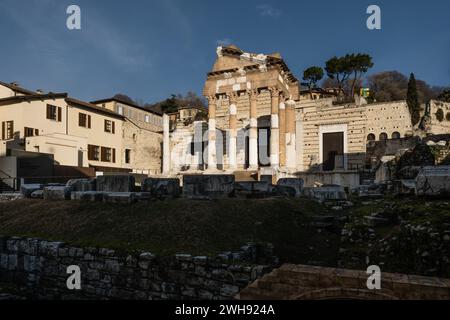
x=40, y=267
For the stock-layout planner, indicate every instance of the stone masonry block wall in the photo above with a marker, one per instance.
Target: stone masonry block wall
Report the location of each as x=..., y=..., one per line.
x=40, y=267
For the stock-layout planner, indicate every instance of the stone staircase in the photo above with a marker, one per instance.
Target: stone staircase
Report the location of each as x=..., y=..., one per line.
x=298, y=282
x=281, y=284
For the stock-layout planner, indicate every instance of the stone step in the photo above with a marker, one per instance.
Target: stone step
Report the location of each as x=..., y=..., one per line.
x=245, y=176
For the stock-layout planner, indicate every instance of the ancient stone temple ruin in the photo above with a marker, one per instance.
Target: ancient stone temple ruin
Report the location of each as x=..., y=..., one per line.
x=259, y=124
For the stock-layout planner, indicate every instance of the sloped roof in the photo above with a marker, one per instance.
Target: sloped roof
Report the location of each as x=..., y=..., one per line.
x=125, y=102
x=93, y=107
x=17, y=88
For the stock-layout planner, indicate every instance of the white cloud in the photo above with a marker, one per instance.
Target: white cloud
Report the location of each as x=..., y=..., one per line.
x=266, y=10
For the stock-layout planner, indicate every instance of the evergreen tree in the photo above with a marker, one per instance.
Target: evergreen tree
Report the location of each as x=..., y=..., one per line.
x=412, y=100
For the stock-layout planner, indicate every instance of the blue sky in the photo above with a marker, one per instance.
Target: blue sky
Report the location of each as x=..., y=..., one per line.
x=149, y=49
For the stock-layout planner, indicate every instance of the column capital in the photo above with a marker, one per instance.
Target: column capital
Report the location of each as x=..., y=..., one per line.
x=233, y=97
x=253, y=93
x=211, y=99
x=274, y=91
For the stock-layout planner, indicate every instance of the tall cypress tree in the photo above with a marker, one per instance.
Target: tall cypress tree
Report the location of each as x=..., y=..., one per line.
x=412, y=100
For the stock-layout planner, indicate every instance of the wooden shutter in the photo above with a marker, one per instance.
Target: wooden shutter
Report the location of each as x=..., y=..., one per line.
x=90, y=152
x=11, y=130
x=89, y=121
x=114, y=155
x=103, y=154
x=48, y=112
x=3, y=130
x=59, y=114
x=106, y=121
x=36, y=132
x=113, y=126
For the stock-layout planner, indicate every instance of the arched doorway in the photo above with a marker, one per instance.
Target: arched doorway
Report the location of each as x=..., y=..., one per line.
x=395, y=135
x=383, y=136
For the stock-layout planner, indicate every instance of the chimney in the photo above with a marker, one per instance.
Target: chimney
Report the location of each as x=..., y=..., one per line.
x=39, y=91
x=16, y=84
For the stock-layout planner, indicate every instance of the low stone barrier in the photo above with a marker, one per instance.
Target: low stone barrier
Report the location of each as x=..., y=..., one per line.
x=208, y=186
x=115, y=183
x=41, y=268
x=162, y=188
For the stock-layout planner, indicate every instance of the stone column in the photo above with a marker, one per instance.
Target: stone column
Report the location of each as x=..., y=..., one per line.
x=253, y=133
x=291, y=151
x=166, y=145
x=212, y=161
x=274, y=128
x=282, y=123
x=232, y=162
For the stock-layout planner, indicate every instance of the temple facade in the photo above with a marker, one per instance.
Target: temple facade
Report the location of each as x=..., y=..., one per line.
x=260, y=122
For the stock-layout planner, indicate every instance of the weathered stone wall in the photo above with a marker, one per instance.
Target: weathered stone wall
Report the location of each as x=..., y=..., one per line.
x=388, y=117
x=145, y=149
x=436, y=126
x=317, y=115
x=40, y=268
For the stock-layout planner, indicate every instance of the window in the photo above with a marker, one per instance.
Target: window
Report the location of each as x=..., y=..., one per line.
x=108, y=155
x=127, y=155
x=147, y=118
x=370, y=137
x=109, y=126
x=84, y=120
x=93, y=153
x=54, y=113
x=7, y=130
x=30, y=132
x=120, y=110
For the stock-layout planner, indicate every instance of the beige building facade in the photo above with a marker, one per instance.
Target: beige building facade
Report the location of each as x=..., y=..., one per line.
x=76, y=133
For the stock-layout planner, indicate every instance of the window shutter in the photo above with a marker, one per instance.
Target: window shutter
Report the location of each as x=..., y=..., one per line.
x=90, y=152
x=48, y=112
x=36, y=132
x=114, y=155
x=12, y=129
x=105, y=125
x=103, y=154
x=3, y=130
x=113, y=127
x=89, y=121
x=59, y=114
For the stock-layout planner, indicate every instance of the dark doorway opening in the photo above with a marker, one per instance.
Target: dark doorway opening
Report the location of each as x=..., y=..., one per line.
x=333, y=151
x=264, y=147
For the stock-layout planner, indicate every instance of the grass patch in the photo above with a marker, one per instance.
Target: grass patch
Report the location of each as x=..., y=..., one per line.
x=176, y=226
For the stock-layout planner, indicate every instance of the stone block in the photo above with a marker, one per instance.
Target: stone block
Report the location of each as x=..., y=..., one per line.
x=324, y=193
x=208, y=186
x=119, y=183
x=38, y=194
x=142, y=196
x=375, y=221
x=81, y=184
x=119, y=197
x=162, y=187
x=87, y=195
x=27, y=189
x=56, y=193
x=433, y=181
x=295, y=183
x=285, y=191
x=252, y=188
